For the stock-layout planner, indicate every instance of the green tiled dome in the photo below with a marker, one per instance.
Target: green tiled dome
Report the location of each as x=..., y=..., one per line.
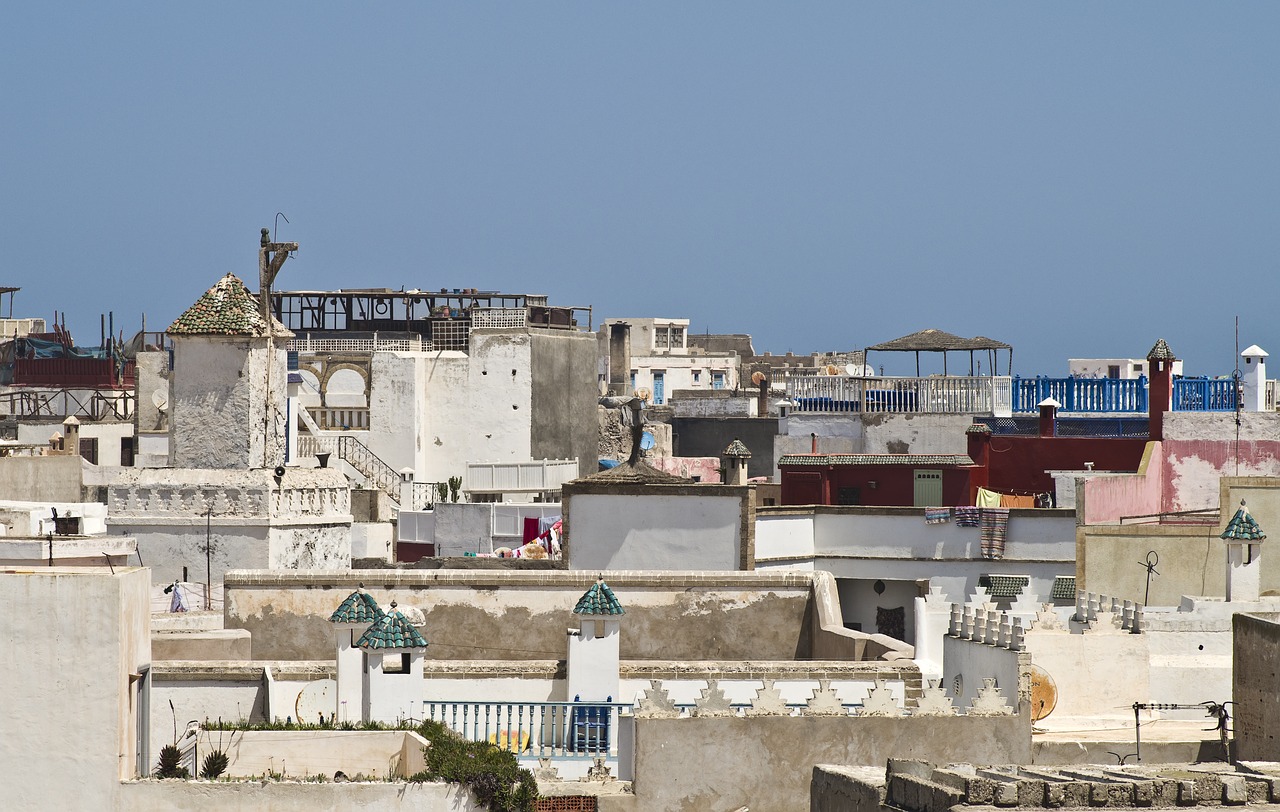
x=392, y=630
x=359, y=607
x=227, y=308
x=598, y=600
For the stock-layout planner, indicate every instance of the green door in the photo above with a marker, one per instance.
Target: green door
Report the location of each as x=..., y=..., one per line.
x=928, y=489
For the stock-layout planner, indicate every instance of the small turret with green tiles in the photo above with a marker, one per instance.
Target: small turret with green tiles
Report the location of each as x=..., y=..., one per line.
x=392, y=630
x=359, y=607
x=1243, y=527
x=598, y=600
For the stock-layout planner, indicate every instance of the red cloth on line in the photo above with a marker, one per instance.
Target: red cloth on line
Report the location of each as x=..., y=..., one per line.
x=530, y=528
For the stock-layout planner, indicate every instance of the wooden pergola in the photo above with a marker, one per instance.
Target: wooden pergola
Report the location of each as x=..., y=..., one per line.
x=944, y=342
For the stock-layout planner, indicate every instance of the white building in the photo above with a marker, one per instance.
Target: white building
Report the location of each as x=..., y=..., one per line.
x=1125, y=369
x=663, y=362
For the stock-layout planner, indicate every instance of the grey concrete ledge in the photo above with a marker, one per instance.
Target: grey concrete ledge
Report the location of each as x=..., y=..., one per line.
x=241, y=670
x=766, y=511
x=389, y=578
x=772, y=669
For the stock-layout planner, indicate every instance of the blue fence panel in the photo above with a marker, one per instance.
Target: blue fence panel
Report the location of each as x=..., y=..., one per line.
x=1089, y=395
x=1204, y=394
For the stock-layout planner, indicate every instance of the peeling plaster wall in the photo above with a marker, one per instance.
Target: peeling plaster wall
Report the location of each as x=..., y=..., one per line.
x=227, y=402
x=1200, y=447
x=766, y=763
x=874, y=433
x=286, y=796
x=482, y=615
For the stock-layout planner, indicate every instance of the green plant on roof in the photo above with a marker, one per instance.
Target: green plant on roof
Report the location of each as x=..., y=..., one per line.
x=442, y=491
x=492, y=774
x=214, y=765
x=170, y=765
x=455, y=484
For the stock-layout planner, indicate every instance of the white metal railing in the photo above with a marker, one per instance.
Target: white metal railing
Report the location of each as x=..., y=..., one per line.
x=932, y=395
x=586, y=730
x=340, y=418
x=307, y=344
x=499, y=317
x=533, y=476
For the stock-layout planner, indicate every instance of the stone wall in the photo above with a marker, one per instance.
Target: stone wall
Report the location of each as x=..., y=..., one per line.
x=766, y=762
x=42, y=479
x=563, y=397
x=1256, y=686
x=286, y=796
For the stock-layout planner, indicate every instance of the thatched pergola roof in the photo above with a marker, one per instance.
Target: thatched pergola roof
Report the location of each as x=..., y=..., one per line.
x=944, y=342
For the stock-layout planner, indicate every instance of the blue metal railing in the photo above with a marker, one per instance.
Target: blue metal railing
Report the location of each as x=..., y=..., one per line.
x=1110, y=395
x=584, y=730
x=1205, y=394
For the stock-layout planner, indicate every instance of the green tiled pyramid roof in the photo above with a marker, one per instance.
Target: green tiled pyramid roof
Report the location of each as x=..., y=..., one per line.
x=227, y=308
x=359, y=607
x=392, y=630
x=598, y=600
x=737, y=449
x=1242, y=527
x=1161, y=352
x=1064, y=588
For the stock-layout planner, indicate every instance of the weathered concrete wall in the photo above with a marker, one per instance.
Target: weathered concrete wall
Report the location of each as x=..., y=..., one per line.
x=766, y=763
x=302, y=521
x=966, y=665
x=202, y=644
x=68, y=673
x=915, y=433
x=376, y=754
x=151, y=375
x=710, y=436
x=461, y=528
x=107, y=436
x=485, y=615
x=285, y=796
x=564, y=393
x=42, y=479
x=836, y=788
x=1080, y=664
x=702, y=527
x=1256, y=685
x=227, y=402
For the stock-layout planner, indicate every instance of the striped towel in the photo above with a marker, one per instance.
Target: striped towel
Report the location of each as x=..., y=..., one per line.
x=994, y=528
x=937, y=515
x=967, y=516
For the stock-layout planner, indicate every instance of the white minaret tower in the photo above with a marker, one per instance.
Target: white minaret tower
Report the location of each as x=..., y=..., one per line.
x=1253, y=379
x=594, y=647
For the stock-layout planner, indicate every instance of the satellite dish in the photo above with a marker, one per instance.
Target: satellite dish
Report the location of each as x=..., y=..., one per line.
x=757, y=377
x=852, y=370
x=643, y=393
x=160, y=398
x=646, y=441
x=1044, y=693
x=316, y=699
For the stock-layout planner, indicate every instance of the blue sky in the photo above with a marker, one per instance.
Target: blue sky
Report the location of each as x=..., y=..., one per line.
x=1075, y=179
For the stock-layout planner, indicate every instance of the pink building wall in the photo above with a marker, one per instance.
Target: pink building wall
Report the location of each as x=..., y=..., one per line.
x=707, y=469
x=1107, y=498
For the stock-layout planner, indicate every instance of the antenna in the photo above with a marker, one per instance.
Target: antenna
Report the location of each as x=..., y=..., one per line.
x=1235, y=379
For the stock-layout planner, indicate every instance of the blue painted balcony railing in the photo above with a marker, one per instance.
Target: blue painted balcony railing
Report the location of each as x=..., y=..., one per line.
x=1204, y=394
x=1113, y=396
x=1098, y=395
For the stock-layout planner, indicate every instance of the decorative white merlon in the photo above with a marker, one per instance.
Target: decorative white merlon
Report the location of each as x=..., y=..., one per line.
x=989, y=701
x=1089, y=605
x=713, y=702
x=935, y=702
x=880, y=702
x=768, y=701
x=987, y=626
x=825, y=702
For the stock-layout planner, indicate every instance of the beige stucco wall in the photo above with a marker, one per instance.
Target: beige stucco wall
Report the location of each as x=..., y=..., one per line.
x=522, y=615
x=75, y=638
x=766, y=763
x=42, y=479
x=286, y=796
x=1192, y=558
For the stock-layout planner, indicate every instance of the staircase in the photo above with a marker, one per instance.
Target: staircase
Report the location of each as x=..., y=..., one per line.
x=360, y=457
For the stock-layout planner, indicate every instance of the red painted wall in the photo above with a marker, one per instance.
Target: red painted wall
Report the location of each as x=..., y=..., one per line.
x=895, y=484
x=1015, y=463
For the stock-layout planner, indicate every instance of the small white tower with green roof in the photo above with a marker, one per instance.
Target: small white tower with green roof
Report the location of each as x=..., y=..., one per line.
x=595, y=649
x=356, y=614
x=393, y=652
x=1244, y=556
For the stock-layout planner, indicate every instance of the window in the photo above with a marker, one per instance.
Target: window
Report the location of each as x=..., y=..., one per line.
x=395, y=663
x=848, y=496
x=677, y=338
x=633, y=380
x=717, y=380
x=89, y=449
x=1113, y=371
x=697, y=376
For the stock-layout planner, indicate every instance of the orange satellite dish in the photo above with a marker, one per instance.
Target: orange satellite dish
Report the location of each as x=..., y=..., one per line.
x=1044, y=693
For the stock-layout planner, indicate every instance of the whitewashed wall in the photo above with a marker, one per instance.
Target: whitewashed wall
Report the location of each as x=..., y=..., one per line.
x=654, y=532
